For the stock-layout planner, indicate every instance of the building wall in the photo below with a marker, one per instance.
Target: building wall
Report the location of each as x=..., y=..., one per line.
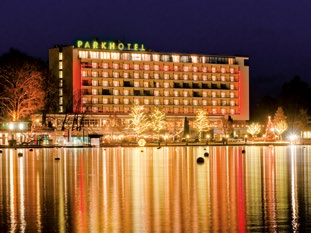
x=110, y=81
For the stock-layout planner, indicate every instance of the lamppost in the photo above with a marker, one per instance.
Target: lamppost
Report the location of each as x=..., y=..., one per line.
x=207, y=139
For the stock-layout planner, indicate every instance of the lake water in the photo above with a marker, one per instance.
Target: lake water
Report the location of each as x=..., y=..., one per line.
x=236, y=189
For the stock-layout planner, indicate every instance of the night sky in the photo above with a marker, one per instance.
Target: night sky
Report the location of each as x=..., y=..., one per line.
x=275, y=34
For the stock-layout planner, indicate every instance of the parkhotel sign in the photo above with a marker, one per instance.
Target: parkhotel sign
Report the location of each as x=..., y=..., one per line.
x=109, y=45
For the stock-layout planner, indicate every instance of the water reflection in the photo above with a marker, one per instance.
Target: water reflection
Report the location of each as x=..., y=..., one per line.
x=156, y=190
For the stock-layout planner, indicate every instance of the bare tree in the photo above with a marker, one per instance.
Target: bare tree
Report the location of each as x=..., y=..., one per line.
x=139, y=121
x=158, y=121
x=21, y=85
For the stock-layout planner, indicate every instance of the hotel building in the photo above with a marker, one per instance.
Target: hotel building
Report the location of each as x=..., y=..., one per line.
x=106, y=78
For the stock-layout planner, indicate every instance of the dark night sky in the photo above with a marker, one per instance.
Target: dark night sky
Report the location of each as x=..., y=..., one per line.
x=275, y=34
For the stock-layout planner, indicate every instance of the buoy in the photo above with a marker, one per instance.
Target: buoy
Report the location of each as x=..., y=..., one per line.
x=200, y=160
x=142, y=151
x=57, y=158
x=243, y=151
x=206, y=154
x=31, y=149
x=159, y=147
x=20, y=154
x=0, y=151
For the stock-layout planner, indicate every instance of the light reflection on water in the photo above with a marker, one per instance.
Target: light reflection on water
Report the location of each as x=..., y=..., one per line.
x=156, y=190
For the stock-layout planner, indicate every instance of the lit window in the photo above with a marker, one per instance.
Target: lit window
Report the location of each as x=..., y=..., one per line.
x=186, y=102
x=204, y=94
x=214, y=78
x=231, y=94
x=166, y=68
x=176, y=102
x=60, y=74
x=126, y=92
x=232, y=87
x=156, y=93
x=94, y=73
x=60, y=91
x=155, y=57
x=105, y=101
x=232, y=78
x=94, y=91
x=60, y=56
x=185, y=76
x=136, y=66
x=223, y=94
x=194, y=59
x=94, y=55
x=195, y=77
x=156, y=76
x=176, y=76
x=94, y=83
x=136, y=75
x=213, y=70
x=156, y=101
x=231, y=70
x=186, y=68
x=156, y=67
x=116, y=101
x=232, y=111
x=60, y=65
x=223, y=111
x=115, y=74
x=166, y=85
x=146, y=57
x=105, y=83
x=94, y=65
x=105, y=65
x=126, y=66
x=166, y=102
x=223, y=70
x=126, y=101
x=232, y=103
x=185, y=93
x=176, y=68
x=175, y=58
x=146, y=75
x=60, y=100
x=136, y=101
x=115, y=83
x=60, y=83
x=125, y=75
x=146, y=101
x=166, y=76
x=204, y=78
x=146, y=84
x=136, y=84
x=214, y=102
x=94, y=109
x=94, y=100
x=195, y=102
x=146, y=67
x=214, y=111
x=213, y=94
x=115, y=92
x=176, y=93
x=115, y=56
x=115, y=66
x=136, y=56
x=166, y=93
x=223, y=78
x=125, y=56
x=82, y=54
x=84, y=100
x=84, y=73
x=204, y=69
x=105, y=74
x=204, y=102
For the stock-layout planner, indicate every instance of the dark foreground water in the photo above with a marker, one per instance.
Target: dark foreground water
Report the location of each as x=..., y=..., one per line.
x=265, y=189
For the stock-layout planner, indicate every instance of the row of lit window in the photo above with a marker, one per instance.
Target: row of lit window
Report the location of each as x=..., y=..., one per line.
x=156, y=67
x=175, y=76
x=167, y=93
x=165, y=102
x=106, y=83
x=213, y=111
x=84, y=54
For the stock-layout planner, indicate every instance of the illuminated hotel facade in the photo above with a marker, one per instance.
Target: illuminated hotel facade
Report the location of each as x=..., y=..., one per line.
x=107, y=78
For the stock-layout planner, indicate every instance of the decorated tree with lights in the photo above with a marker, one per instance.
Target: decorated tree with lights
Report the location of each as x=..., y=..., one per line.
x=253, y=129
x=158, y=121
x=201, y=122
x=139, y=121
x=279, y=122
